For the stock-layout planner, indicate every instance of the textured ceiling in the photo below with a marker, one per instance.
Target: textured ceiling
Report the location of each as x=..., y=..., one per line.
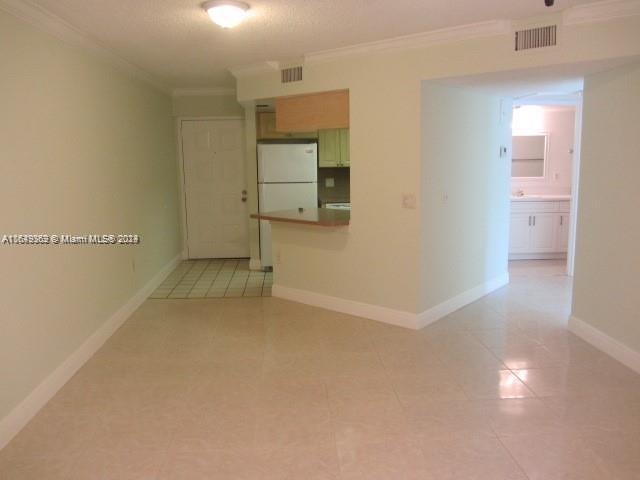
x=175, y=41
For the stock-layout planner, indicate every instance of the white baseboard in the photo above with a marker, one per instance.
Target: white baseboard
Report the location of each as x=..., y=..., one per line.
x=26, y=410
x=255, y=264
x=465, y=298
x=351, y=307
x=602, y=341
x=537, y=256
x=400, y=318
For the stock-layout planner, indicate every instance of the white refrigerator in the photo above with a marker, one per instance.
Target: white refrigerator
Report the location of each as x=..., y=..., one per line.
x=287, y=179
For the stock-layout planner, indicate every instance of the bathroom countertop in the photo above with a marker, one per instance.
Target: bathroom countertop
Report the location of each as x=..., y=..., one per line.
x=541, y=198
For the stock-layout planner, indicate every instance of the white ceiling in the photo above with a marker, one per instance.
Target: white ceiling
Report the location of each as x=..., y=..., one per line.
x=175, y=42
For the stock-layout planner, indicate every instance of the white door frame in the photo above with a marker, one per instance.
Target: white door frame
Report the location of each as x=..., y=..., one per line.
x=181, y=177
x=575, y=188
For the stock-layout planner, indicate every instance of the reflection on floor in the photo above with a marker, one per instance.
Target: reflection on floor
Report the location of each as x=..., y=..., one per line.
x=262, y=388
x=215, y=278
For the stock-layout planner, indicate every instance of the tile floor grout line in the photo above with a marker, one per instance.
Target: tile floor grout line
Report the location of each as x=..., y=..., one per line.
x=184, y=284
x=230, y=280
x=258, y=282
x=520, y=467
x=206, y=295
x=216, y=279
x=181, y=278
x=244, y=288
x=333, y=430
x=199, y=277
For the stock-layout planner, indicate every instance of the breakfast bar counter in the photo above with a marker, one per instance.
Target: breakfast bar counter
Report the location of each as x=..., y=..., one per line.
x=321, y=217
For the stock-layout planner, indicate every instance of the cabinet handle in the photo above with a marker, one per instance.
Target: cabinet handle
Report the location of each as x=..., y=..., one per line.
x=561, y=217
x=529, y=220
x=534, y=220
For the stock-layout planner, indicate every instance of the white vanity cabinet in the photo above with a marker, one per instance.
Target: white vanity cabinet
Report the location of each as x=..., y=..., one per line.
x=539, y=229
x=562, y=234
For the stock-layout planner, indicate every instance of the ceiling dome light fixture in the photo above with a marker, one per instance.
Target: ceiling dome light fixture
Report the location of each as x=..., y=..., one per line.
x=226, y=13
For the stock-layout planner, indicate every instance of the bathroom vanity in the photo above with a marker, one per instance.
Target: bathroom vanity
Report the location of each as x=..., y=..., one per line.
x=539, y=227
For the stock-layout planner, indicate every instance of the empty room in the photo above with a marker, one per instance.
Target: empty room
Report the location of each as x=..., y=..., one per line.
x=320, y=239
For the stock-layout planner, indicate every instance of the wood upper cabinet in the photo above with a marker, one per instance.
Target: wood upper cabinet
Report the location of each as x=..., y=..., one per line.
x=266, y=128
x=303, y=113
x=333, y=147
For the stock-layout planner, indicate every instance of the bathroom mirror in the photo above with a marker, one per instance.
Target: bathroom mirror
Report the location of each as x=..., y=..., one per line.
x=529, y=157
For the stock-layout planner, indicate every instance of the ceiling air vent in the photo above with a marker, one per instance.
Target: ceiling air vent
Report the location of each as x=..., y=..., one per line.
x=293, y=74
x=539, y=37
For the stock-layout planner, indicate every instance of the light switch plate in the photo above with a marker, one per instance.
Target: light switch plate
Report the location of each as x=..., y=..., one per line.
x=329, y=182
x=408, y=201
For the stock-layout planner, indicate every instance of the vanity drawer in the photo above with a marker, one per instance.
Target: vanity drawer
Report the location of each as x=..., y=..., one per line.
x=522, y=206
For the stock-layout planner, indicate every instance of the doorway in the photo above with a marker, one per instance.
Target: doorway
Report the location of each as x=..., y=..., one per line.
x=215, y=192
x=545, y=148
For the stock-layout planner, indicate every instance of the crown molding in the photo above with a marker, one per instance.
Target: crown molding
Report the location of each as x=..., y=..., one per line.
x=254, y=69
x=418, y=40
x=601, y=11
x=202, y=92
x=46, y=21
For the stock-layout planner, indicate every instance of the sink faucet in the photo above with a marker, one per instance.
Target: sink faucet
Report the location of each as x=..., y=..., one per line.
x=520, y=193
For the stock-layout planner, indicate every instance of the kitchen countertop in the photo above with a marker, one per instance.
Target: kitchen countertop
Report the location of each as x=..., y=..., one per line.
x=321, y=217
x=541, y=198
x=324, y=201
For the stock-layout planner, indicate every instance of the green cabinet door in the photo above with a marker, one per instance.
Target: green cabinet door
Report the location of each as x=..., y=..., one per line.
x=328, y=148
x=333, y=147
x=344, y=147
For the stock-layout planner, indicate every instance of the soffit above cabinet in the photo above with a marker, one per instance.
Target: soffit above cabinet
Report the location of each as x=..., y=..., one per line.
x=317, y=111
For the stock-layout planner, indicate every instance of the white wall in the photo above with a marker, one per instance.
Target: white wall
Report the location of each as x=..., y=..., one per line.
x=379, y=260
x=465, y=191
x=206, y=106
x=84, y=149
x=607, y=264
x=559, y=123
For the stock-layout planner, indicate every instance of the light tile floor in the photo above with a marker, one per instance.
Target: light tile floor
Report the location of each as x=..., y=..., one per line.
x=215, y=278
x=261, y=388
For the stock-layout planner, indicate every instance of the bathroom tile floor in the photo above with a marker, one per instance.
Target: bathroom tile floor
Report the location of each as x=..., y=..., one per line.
x=261, y=388
x=215, y=278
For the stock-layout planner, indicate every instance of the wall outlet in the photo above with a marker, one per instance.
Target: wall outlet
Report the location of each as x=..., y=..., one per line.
x=408, y=201
x=329, y=182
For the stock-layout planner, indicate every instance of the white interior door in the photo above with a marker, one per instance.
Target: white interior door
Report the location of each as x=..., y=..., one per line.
x=215, y=188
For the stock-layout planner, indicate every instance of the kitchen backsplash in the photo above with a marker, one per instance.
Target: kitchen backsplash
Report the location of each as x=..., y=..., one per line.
x=340, y=190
